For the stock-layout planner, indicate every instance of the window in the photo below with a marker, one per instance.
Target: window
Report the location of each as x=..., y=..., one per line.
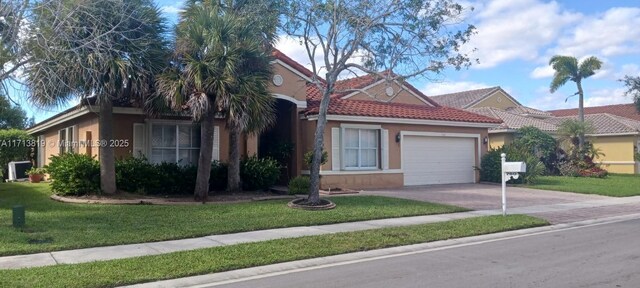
x=175, y=143
x=360, y=148
x=66, y=138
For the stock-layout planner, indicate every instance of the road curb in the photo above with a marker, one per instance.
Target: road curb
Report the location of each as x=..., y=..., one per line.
x=233, y=276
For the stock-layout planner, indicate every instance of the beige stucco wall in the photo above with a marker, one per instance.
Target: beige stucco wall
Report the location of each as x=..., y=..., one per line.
x=619, y=152
x=497, y=100
x=377, y=179
x=83, y=124
x=378, y=92
x=497, y=140
x=293, y=85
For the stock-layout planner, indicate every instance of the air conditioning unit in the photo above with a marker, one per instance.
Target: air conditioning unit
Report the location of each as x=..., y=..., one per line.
x=18, y=170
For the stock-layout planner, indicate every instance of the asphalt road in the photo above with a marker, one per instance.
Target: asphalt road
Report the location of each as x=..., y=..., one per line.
x=598, y=256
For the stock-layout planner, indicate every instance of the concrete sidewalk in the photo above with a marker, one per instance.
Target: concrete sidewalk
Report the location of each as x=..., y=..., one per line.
x=155, y=248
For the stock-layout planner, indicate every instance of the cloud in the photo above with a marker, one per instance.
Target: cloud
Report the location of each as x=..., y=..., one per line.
x=295, y=49
x=505, y=30
x=628, y=70
x=172, y=9
x=614, y=32
x=602, y=97
x=432, y=89
x=542, y=72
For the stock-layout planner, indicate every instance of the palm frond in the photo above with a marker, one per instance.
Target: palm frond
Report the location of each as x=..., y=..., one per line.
x=589, y=66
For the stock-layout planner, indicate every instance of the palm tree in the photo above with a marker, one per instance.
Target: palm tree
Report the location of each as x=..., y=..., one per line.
x=570, y=131
x=220, y=68
x=567, y=68
x=99, y=49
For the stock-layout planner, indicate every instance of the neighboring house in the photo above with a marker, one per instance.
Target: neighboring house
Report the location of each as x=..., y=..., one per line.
x=616, y=127
x=497, y=103
x=379, y=133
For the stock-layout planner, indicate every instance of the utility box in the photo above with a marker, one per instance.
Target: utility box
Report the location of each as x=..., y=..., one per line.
x=514, y=167
x=18, y=216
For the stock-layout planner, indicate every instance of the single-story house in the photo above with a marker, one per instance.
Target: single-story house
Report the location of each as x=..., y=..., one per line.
x=616, y=127
x=379, y=133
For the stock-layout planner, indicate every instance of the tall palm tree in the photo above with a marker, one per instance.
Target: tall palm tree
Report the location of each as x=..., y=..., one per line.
x=100, y=49
x=567, y=69
x=220, y=68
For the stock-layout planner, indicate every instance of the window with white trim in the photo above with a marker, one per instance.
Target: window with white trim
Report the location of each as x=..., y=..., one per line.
x=361, y=148
x=66, y=138
x=175, y=143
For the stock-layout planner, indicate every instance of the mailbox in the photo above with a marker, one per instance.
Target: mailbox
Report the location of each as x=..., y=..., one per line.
x=511, y=167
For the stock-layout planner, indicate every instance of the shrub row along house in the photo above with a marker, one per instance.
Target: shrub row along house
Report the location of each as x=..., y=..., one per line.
x=379, y=133
x=616, y=128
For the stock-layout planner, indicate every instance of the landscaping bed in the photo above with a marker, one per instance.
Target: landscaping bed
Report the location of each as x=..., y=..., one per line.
x=210, y=260
x=614, y=185
x=52, y=225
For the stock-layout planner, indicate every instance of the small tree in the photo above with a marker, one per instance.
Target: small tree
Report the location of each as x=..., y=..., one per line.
x=568, y=69
x=570, y=132
x=13, y=15
x=407, y=37
x=633, y=89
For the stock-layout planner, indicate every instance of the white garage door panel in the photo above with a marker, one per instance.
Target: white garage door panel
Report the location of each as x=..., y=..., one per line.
x=438, y=160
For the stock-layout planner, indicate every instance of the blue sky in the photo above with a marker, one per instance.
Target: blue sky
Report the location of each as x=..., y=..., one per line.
x=515, y=40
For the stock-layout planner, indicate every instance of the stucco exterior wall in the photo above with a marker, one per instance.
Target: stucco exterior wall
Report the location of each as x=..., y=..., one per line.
x=497, y=100
x=378, y=92
x=377, y=178
x=619, y=153
x=293, y=85
x=497, y=140
x=84, y=124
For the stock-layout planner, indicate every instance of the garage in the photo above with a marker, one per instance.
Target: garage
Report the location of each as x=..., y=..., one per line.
x=438, y=159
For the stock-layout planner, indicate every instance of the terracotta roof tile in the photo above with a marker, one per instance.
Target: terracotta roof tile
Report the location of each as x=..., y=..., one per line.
x=396, y=110
x=623, y=110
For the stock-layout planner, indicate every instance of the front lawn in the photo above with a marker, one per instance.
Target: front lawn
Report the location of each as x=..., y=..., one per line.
x=615, y=185
x=217, y=259
x=54, y=226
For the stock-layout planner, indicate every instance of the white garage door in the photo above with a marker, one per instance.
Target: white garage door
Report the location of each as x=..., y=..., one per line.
x=438, y=160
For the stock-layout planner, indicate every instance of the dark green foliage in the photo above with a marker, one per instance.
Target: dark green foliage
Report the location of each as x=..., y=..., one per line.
x=259, y=173
x=542, y=145
x=136, y=175
x=299, y=185
x=74, y=174
x=490, y=167
x=12, y=116
x=15, y=145
x=218, y=178
x=308, y=157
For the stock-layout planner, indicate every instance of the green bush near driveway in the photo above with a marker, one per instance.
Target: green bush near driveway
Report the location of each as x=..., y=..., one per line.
x=54, y=226
x=218, y=259
x=74, y=174
x=259, y=173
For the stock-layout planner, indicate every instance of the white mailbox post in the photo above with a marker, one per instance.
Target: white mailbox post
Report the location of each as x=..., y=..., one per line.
x=509, y=170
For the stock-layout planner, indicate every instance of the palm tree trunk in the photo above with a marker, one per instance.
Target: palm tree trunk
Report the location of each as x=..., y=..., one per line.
x=107, y=155
x=201, y=192
x=580, y=114
x=314, y=186
x=233, y=177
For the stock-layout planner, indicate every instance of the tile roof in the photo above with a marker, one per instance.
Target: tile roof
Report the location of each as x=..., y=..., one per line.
x=464, y=98
x=512, y=120
x=604, y=123
x=623, y=110
x=528, y=111
x=395, y=110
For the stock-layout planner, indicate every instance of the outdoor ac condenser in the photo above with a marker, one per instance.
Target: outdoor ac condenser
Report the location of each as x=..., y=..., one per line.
x=18, y=169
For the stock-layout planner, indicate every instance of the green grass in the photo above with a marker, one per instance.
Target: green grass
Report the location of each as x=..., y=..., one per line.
x=217, y=259
x=54, y=226
x=615, y=185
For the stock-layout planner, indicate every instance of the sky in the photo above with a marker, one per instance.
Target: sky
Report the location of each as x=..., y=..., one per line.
x=515, y=40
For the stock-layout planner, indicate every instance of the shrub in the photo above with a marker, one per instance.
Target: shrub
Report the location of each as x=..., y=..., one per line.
x=137, y=175
x=490, y=166
x=16, y=146
x=218, y=177
x=74, y=174
x=299, y=185
x=175, y=179
x=594, y=172
x=259, y=173
x=569, y=169
x=308, y=158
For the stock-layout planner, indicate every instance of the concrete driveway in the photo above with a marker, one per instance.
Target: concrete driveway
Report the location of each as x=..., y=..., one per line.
x=483, y=196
